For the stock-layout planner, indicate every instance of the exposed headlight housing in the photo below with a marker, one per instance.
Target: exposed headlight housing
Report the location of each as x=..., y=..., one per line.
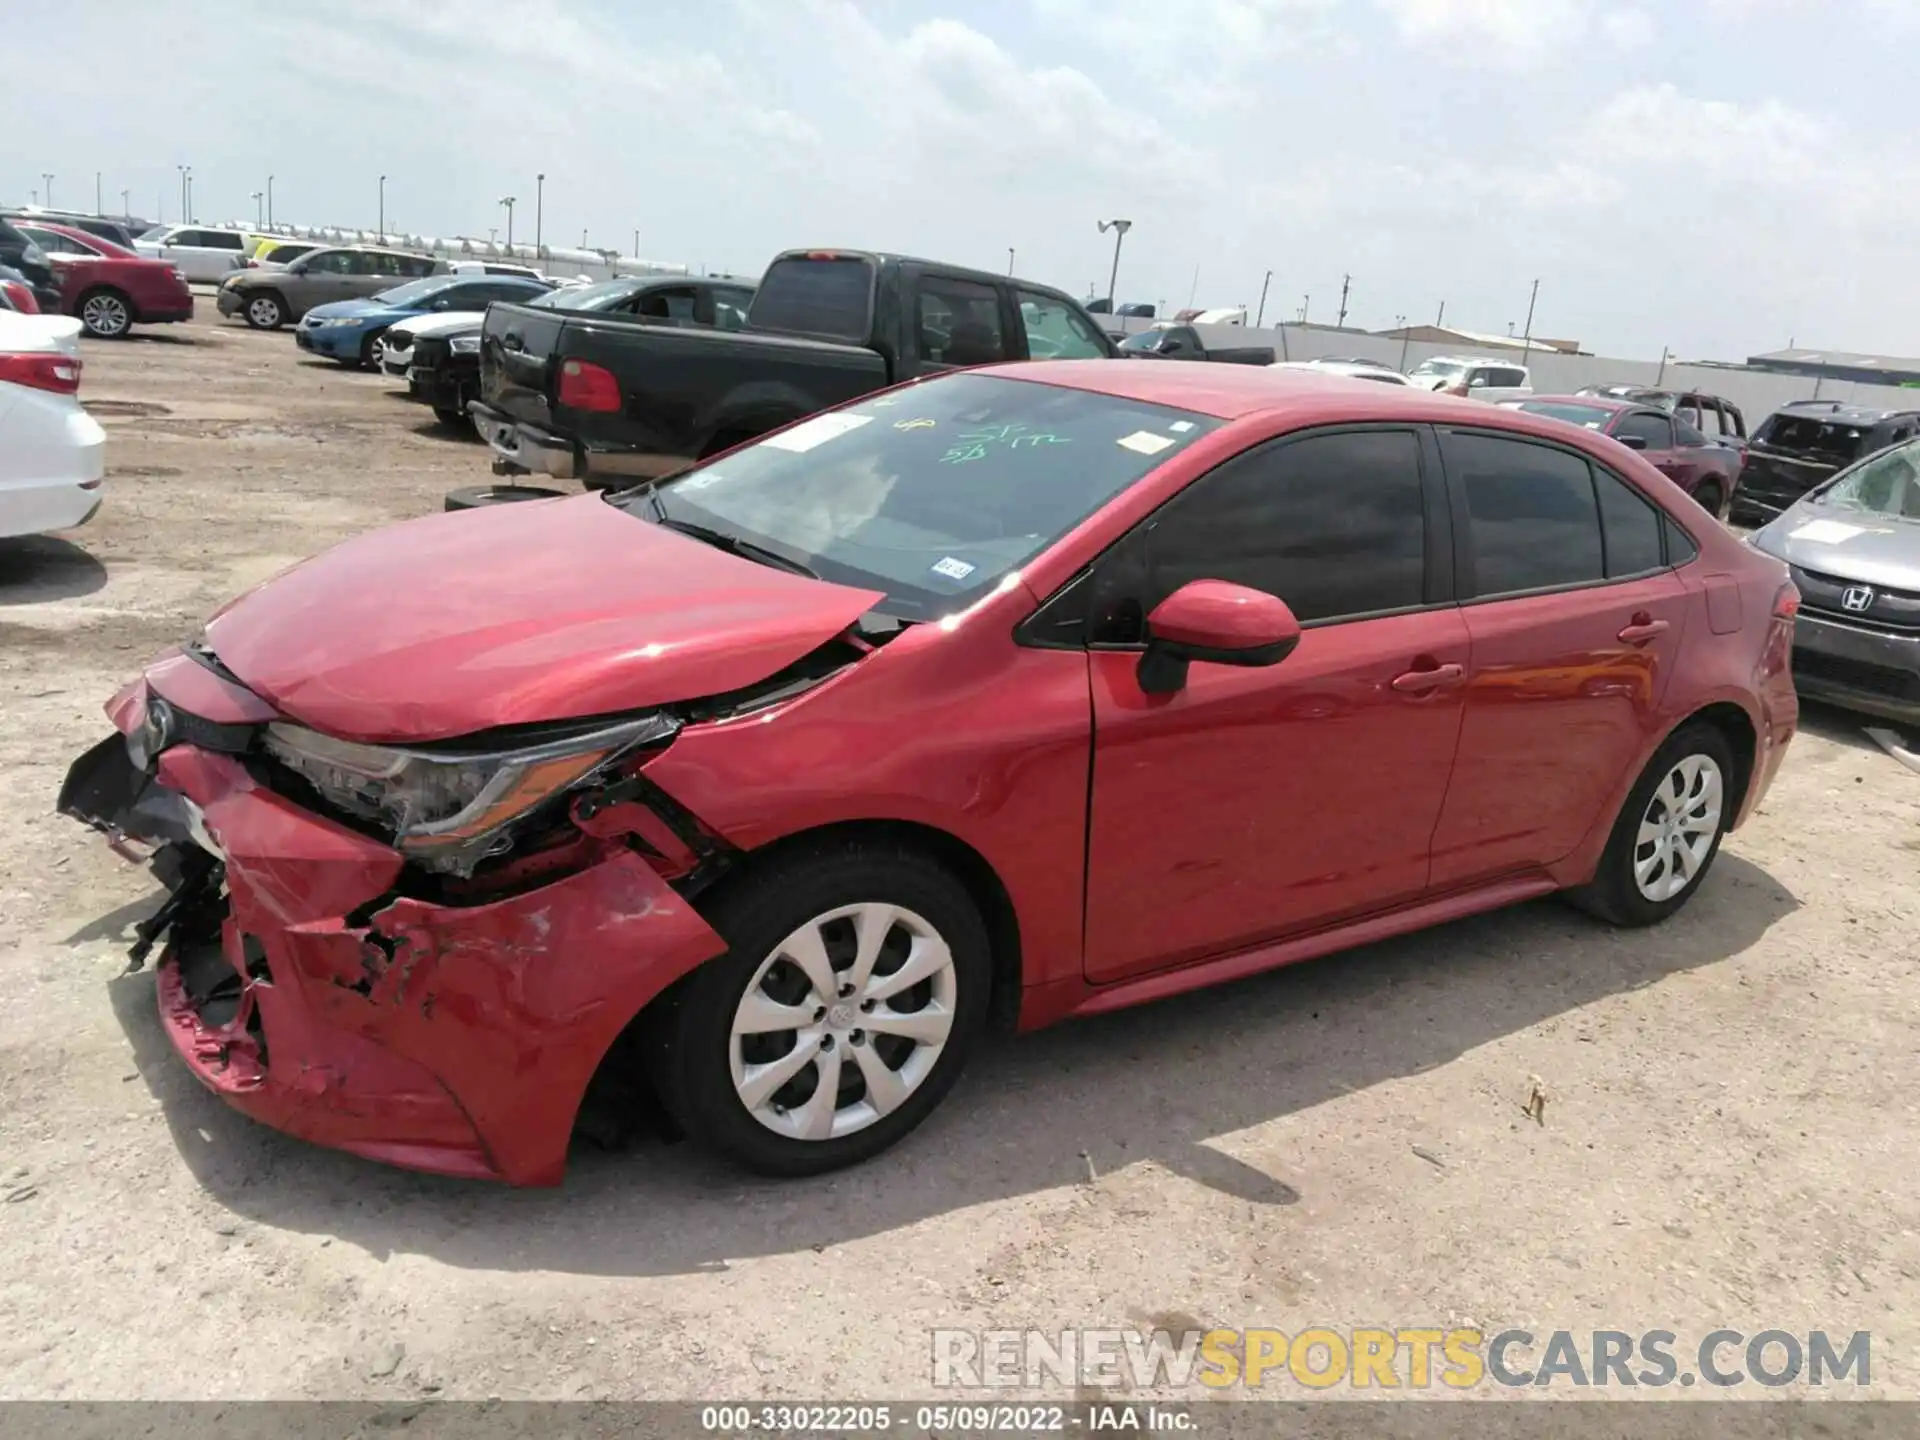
x=449, y=809
x=464, y=345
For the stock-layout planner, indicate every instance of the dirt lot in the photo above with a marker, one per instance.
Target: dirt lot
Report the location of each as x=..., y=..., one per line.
x=1729, y=1138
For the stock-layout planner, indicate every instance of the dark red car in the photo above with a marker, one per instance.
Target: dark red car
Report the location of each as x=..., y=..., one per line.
x=1707, y=471
x=108, y=288
x=1012, y=695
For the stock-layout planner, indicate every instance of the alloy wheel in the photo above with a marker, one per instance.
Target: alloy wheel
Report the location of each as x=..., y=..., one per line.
x=106, y=316
x=264, y=312
x=1679, y=827
x=843, y=1021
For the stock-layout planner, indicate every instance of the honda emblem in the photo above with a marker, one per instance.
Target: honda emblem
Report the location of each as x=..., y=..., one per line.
x=1856, y=598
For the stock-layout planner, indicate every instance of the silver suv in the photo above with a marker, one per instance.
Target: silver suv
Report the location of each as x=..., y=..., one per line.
x=272, y=298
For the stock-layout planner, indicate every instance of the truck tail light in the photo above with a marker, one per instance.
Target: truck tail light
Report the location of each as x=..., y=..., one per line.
x=39, y=371
x=20, y=297
x=587, y=386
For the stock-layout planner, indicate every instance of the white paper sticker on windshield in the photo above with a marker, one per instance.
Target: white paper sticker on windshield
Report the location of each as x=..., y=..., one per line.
x=1182, y=426
x=817, y=431
x=953, y=569
x=1145, y=441
x=1826, y=532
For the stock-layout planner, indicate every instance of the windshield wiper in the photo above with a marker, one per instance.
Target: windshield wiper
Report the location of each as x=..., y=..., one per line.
x=726, y=540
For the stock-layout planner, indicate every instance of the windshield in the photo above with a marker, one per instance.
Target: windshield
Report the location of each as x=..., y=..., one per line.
x=1888, y=484
x=933, y=494
x=156, y=232
x=828, y=295
x=1145, y=340
x=1591, y=417
x=1822, y=439
x=1440, y=367
x=588, y=297
x=415, y=291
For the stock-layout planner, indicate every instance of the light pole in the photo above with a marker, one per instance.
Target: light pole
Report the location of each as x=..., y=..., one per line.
x=539, y=206
x=382, y=231
x=126, y=205
x=507, y=200
x=636, y=244
x=1262, y=315
x=1119, y=228
x=98, y=207
x=583, y=237
x=259, y=210
x=269, y=202
x=49, y=179
x=1526, y=343
x=1009, y=260
x=1406, y=334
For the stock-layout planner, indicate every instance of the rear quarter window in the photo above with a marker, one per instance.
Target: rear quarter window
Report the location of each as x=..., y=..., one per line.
x=830, y=296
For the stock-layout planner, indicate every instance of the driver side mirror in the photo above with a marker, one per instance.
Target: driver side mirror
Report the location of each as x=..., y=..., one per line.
x=1217, y=622
x=298, y=267
x=1632, y=442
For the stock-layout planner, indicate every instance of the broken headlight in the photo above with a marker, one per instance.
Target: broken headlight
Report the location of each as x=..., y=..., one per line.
x=446, y=808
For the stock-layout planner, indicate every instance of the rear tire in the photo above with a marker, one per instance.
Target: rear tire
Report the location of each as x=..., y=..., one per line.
x=474, y=497
x=1712, y=498
x=453, y=419
x=106, y=313
x=722, y=1052
x=1668, y=832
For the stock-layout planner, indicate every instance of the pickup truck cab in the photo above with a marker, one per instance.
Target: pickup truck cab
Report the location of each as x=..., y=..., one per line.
x=609, y=399
x=1168, y=341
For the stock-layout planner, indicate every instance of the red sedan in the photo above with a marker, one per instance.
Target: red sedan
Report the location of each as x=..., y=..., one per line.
x=1017, y=694
x=1705, y=469
x=109, y=288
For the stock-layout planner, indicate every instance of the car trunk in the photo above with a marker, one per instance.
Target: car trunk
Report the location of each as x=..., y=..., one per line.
x=1790, y=454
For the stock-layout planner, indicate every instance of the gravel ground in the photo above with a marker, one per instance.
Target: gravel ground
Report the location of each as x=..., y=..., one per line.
x=1730, y=1101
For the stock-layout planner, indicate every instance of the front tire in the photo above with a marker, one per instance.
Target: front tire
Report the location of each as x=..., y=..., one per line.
x=373, y=350
x=1668, y=832
x=106, y=314
x=265, y=312
x=852, y=991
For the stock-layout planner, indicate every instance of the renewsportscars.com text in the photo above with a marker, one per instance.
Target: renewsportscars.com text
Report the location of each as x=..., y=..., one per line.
x=1416, y=1358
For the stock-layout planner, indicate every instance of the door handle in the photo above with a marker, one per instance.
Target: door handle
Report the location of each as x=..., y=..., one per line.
x=1642, y=630
x=1419, y=682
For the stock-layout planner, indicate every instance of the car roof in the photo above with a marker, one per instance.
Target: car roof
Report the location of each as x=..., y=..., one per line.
x=888, y=257
x=1843, y=414
x=1592, y=402
x=1234, y=392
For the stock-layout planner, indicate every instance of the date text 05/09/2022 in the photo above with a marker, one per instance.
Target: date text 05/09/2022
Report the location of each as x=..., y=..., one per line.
x=944, y=1419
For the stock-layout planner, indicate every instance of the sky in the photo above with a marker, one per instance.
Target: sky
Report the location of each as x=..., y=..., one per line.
x=1717, y=177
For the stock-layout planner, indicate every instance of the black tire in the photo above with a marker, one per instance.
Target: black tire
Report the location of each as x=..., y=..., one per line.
x=106, y=313
x=265, y=311
x=474, y=497
x=1613, y=894
x=690, y=1044
x=1712, y=498
x=453, y=419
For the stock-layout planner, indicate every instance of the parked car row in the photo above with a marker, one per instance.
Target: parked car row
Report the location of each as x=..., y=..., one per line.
x=107, y=287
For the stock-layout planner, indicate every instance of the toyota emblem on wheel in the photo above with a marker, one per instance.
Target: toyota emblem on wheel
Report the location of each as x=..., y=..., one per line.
x=1856, y=598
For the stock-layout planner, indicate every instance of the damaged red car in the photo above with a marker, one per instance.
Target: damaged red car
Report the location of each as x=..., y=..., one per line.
x=1008, y=696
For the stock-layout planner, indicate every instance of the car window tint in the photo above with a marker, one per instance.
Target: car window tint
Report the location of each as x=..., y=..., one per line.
x=226, y=240
x=1335, y=525
x=1512, y=379
x=1630, y=525
x=959, y=322
x=1687, y=435
x=1680, y=546
x=1655, y=430
x=1055, y=331
x=330, y=262
x=1532, y=518
x=667, y=302
x=54, y=244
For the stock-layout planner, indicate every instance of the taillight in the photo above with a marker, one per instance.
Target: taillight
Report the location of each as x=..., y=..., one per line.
x=1786, y=604
x=587, y=386
x=20, y=297
x=58, y=373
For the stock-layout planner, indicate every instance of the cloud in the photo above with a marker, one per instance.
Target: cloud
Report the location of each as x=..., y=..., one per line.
x=1500, y=32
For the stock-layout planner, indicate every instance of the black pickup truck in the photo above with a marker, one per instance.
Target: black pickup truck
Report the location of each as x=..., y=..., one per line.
x=609, y=401
x=1183, y=342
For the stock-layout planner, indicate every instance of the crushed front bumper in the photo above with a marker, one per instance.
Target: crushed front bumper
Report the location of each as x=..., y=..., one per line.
x=303, y=988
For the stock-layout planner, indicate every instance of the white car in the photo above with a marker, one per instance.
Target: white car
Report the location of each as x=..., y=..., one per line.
x=398, y=354
x=202, y=253
x=52, y=452
x=1474, y=376
x=1352, y=369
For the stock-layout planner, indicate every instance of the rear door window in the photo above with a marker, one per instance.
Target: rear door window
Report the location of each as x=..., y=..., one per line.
x=224, y=240
x=959, y=322
x=1629, y=526
x=830, y=295
x=1808, y=435
x=1532, y=518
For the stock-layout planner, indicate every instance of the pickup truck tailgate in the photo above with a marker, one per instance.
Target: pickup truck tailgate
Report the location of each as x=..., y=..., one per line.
x=517, y=343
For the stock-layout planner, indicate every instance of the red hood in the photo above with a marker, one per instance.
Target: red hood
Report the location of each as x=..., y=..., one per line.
x=538, y=610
